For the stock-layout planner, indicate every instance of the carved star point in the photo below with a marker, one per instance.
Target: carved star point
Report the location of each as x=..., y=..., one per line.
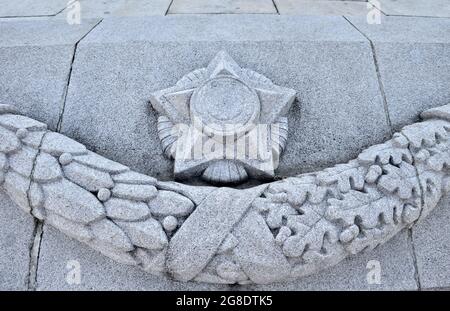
x=271, y=101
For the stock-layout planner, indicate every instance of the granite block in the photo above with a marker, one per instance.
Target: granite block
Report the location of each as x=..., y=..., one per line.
x=322, y=7
x=394, y=258
x=60, y=255
x=432, y=248
x=104, y=9
x=339, y=110
x=430, y=8
x=35, y=60
x=16, y=229
x=413, y=56
x=221, y=7
x=31, y=7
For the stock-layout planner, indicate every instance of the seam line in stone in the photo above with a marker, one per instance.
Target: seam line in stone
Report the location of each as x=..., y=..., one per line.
x=27, y=16
x=66, y=89
x=62, y=10
x=39, y=15
x=168, y=8
x=416, y=170
x=377, y=7
x=35, y=246
x=35, y=251
x=409, y=230
x=380, y=82
x=417, y=16
x=414, y=258
x=32, y=172
x=276, y=8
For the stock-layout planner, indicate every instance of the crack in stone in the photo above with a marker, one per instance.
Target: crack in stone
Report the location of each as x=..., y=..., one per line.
x=62, y=10
x=66, y=88
x=276, y=8
x=35, y=250
x=380, y=82
x=32, y=172
x=35, y=246
x=409, y=230
x=168, y=8
x=414, y=258
x=377, y=7
x=422, y=194
x=416, y=170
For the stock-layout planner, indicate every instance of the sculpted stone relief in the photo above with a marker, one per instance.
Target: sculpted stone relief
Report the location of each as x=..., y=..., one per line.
x=273, y=232
x=223, y=122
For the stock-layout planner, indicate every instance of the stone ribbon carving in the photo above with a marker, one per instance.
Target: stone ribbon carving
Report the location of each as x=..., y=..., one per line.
x=277, y=231
x=223, y=122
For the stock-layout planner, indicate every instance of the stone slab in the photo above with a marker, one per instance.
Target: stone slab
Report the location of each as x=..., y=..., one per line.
x=340, y=110
x=432, y=8
x=10, y=8
x=432, y=247
x=98, y=272
x=223, y=27
x=42, y=32
x=413, y=55
x=405, y=29
x=35, y=59
x=395, y=260
x=322, y=7
x=16, y=231
x=101, y=8
x=112, y=277
x=221, y=6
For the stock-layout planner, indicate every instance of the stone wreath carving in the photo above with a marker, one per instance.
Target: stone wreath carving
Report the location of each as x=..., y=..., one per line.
x=274, y=232
x=227, y=106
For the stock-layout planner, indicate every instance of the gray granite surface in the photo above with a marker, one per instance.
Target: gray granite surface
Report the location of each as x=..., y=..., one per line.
x=340, y=110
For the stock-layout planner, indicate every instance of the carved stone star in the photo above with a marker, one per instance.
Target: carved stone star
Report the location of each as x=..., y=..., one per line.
x=235, y=116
